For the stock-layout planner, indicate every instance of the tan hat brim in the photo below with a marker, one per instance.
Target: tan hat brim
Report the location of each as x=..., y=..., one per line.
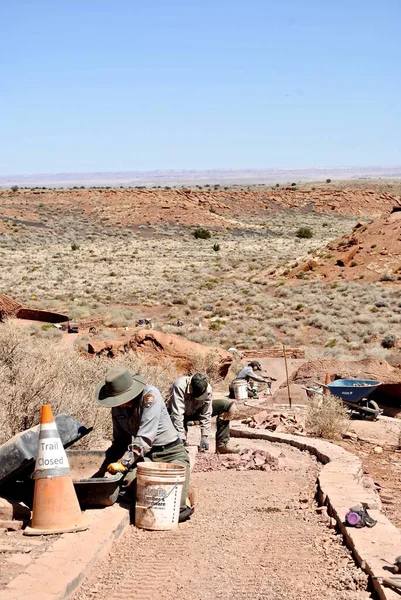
x=137, y=387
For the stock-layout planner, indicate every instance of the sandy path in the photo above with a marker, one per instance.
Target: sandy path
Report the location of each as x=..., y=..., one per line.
x=254, y=535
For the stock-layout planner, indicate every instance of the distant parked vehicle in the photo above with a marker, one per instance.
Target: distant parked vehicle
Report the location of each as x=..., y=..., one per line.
x=72, y=327
x=144, y=322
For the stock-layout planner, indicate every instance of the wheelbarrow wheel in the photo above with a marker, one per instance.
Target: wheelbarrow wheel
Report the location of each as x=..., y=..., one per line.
x=370, y=416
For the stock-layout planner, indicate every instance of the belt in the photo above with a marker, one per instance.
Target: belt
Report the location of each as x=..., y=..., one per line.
x=176, y=442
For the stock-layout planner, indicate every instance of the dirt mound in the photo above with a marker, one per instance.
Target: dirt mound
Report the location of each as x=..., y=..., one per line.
x=280, y=422
x=248, y=460
x=158, y=346
x=8, y=307
x=370, y=253
x=366, y=368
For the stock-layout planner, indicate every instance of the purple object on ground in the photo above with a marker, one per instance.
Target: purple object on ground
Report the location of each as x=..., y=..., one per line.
x=352, y=518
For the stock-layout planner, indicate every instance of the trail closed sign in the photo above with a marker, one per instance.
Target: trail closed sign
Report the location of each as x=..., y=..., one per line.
x=51, y=460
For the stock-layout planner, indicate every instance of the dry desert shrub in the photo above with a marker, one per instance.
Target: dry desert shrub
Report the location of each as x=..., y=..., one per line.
x=327, y=417
x=236, y=366
x=40, y=371
x=207, y=364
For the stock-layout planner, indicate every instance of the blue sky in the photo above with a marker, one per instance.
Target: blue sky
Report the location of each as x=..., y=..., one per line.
x=159, y=84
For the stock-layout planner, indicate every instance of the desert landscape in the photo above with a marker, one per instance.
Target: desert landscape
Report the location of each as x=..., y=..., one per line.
x=202, y=278
x=316, y=264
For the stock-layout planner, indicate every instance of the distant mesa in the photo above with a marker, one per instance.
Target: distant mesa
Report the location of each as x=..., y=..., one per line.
x=211, y=176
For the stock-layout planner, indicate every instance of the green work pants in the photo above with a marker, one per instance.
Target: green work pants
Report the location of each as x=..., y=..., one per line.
x=176, y=454
x=223, y=427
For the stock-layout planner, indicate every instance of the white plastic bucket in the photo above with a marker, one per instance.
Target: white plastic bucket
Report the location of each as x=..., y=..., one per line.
x=158, y=495
x=240, y=389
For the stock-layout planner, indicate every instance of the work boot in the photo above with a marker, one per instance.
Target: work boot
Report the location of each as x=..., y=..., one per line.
x=185, y=514
x=226, y=448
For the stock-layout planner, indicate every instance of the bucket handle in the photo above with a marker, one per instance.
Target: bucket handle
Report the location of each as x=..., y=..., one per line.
x=170, y=492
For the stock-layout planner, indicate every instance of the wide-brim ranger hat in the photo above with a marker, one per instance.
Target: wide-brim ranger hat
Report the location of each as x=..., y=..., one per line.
x=118, y=387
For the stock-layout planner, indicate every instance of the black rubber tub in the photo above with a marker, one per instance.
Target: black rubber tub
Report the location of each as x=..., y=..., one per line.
x=97, y=491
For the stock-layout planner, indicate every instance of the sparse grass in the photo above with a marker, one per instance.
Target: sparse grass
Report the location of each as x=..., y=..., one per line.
x=326, y=417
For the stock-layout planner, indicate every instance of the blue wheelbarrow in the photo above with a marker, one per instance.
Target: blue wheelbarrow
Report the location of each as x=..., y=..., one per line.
x=354, y=394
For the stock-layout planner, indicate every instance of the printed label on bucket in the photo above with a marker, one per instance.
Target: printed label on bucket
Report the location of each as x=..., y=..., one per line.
x=155, y=498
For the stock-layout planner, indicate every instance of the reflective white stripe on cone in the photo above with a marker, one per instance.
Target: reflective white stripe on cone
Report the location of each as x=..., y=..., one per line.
x=55, y=504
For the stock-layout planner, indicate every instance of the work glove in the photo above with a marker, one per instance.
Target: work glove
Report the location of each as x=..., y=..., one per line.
x=204, y=444
x=116, y=467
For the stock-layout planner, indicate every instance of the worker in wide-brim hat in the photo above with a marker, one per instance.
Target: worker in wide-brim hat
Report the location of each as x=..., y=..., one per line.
x=142, y=429
x=191, y=399
x=250, y=375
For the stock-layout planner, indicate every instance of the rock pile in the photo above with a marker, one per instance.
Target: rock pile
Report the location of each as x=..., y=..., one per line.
x=280, y=422
x=157, y=346
x=248, y=460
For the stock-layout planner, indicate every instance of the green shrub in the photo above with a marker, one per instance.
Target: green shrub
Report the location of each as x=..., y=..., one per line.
x=74, y=246
x=304, y=233
x=14, y=188
x=387, y=277
x=216, y=247
x=201, y=234
x=389, y=341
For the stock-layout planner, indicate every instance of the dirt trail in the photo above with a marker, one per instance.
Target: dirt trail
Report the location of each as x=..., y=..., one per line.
x=254, y=535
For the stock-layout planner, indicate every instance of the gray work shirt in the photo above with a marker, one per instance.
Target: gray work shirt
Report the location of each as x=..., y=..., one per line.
x=181, y=402
x=154, y=428
x=249, y=373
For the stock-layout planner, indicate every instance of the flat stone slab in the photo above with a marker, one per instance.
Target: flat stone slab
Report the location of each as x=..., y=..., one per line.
x=341, y=486
x=63, y=566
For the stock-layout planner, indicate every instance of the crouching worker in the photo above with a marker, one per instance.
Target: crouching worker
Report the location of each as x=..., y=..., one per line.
x=250, y=376
x=142, y=430
x=191, y=399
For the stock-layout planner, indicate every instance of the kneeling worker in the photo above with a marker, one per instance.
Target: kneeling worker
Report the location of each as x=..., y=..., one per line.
x=142, y=430
x=249, y=374
x=191, y=399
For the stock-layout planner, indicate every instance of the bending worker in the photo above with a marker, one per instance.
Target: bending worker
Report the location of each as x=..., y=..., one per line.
x=249, y=374
x=191, y=399
x=142, y=430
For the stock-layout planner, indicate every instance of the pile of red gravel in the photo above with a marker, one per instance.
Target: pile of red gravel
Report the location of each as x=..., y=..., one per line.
x=248, y=460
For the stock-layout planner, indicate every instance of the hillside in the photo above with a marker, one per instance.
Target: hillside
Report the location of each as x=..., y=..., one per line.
x=371, y=252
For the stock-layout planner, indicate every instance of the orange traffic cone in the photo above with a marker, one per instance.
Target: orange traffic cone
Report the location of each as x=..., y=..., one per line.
x=55, y=503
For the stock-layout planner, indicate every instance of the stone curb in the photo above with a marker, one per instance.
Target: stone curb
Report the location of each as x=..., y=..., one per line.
x=61, y=569
x=340, y=486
